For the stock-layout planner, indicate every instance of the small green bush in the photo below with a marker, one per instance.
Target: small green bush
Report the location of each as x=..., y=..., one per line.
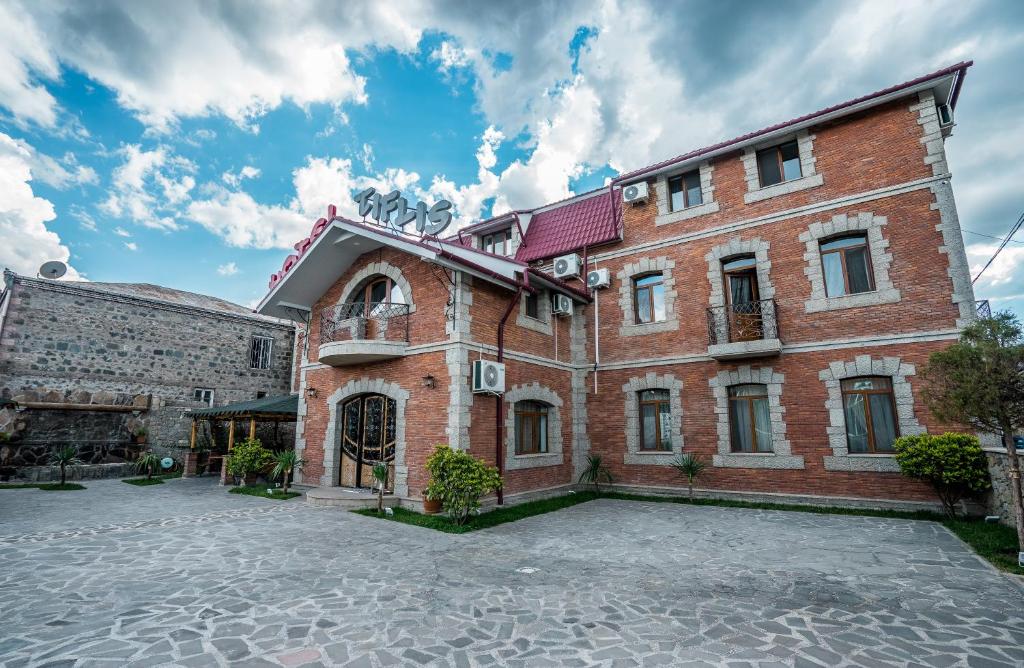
x=248, y=457
x=458, y=480
x=954, y=464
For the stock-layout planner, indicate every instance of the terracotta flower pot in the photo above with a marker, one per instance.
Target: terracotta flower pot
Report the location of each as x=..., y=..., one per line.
x=431, y=506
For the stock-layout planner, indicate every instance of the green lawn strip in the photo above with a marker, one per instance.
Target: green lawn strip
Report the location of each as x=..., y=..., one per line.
x=995, y=542
x=57, y=487
x=261, y=490
x=20, y=485
x=143, y=482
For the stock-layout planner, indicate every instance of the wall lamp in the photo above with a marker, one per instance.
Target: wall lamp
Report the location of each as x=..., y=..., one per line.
x=428, y=381
x=311, y=392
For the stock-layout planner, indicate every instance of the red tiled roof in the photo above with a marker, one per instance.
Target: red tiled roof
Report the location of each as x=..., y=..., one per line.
x=584, y=222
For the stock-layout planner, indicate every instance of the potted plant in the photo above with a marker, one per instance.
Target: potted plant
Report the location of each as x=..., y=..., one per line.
x=459, y=479
x=247, y=459
x=286, y=462
x=691, y=466
x=140, y=434
x=431, y=506
x=147, y=463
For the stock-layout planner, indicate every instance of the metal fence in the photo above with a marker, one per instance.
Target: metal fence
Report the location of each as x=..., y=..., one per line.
x=358, y=321
x=743, y=322
x=983, y=308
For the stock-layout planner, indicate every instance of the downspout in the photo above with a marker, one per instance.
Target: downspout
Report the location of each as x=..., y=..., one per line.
x=499, y=413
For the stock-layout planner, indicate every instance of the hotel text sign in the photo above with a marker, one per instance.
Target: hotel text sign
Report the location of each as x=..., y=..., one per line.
x=381, y=206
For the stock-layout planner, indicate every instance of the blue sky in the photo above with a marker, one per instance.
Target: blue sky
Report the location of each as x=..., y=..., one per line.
x=190, y=144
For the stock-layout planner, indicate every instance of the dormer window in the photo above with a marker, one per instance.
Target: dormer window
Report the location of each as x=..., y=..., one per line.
x=498, y=242
x=684, y=191
x=779, y=163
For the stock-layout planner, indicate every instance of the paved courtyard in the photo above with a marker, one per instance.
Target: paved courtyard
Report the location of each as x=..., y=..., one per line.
x=186, y=574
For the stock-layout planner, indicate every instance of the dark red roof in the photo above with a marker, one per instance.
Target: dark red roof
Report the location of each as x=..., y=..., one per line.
x=585, y=222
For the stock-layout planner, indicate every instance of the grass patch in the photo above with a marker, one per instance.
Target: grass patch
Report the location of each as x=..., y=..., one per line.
x=57, y=487
x=143, y=482
x=261, y=490
x=20, y=485
x=996, y=543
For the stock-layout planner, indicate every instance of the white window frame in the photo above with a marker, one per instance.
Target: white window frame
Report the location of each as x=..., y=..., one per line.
x=256, y=358
x=202, y=392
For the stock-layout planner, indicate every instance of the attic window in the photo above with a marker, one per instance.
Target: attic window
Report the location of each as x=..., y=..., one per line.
x=499, y=242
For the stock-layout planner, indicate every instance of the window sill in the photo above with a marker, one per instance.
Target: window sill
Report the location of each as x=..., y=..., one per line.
x=516, y=462
x=879, y=463
x=534, y=324
x=873, y=298
x=634, y=329
x=687, y=213
x=758, y=460
x=784, y=188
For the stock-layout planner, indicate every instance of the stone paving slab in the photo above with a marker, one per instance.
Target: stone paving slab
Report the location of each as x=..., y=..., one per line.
x=193, y=576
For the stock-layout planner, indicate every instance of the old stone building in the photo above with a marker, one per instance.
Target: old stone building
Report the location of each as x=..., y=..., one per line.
x=93, y=364
x=763, y=303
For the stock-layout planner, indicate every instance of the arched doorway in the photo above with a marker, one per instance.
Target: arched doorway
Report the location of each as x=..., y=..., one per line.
x=368, y=436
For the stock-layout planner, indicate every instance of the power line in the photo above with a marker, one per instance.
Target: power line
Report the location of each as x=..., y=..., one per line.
x=1002, y=245
x=989, y=236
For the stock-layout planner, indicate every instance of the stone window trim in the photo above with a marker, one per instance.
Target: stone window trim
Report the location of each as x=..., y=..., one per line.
x=379, y=269
x=865, y=365
x=541, y=324
x=332, y=437
x=707, y=191
x=810, y=177
x=632, y=389
x=533, y=392
x=782, y=456
x=734, y=247
x=645, y=265
x=884, y=293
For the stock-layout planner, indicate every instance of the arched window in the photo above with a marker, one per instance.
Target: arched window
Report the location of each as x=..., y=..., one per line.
x=870, y=411
x=379, y=290
x=531, y=427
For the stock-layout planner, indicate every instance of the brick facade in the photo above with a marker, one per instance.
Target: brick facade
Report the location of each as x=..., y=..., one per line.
x=113, y=345
x=879, y=170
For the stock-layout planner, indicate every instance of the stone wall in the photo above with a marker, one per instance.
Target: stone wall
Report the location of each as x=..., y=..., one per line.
x=999, y=502
x=69, y=343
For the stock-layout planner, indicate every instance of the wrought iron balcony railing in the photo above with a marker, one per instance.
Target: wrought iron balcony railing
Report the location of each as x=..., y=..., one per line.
x=984, y=308
x=358, y=321
x=751, y=321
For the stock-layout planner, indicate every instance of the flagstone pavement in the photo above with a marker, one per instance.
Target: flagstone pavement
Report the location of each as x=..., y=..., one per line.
x=184, y=574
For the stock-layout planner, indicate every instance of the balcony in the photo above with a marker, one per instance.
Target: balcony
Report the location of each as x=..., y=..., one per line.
x=354, y=333
x=738, y=331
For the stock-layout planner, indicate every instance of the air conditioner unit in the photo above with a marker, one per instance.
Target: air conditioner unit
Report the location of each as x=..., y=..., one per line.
x=599, y=278
x=635, y=193
x=945, y=115
x=561, y=305
x=488, y=377
x=567, y=266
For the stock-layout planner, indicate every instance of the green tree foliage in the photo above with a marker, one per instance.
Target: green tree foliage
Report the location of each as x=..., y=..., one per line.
x=65, y=457
x=954, y=464
x=147, y=463
x=285, y=463
x=380, y=476
x=691, y=466
x=458, y=480
x=595, y=472
x=979, y=381
x=248, y=457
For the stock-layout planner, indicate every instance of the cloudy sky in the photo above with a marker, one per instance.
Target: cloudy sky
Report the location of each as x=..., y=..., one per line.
x=190, y=144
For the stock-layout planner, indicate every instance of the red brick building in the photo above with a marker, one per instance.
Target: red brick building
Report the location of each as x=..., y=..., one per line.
x=763, y=303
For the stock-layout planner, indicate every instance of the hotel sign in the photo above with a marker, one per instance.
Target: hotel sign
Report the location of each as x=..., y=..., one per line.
x=382, y=206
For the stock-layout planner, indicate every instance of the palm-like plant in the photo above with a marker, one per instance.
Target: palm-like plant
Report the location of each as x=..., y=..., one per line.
x=64, y=457
x=380, y=475
x=690, y=466
x=147, y=463
x=285, y=463
x=595, y=472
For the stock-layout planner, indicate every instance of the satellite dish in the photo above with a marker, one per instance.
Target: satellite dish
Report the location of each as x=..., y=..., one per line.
x=53, y=269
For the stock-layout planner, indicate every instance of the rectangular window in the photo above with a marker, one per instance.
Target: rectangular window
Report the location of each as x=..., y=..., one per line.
x=499, y=243
x=655, y=420
x=203, y=395
x=649, y=299
x=779, y=163
x=533, y=305
x=531, y=427
x=684, y=191
x=846, y=265
x=750, y=425
x=259, y=352
x=870, y=411
x=260, y=394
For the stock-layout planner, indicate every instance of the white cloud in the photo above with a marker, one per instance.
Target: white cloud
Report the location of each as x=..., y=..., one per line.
x=25, y=241
x=131, y=245
x=121, y=232
x=234, y=179
x=24, y=55
x=149, y=186
x=450, y=56
x=228, y=269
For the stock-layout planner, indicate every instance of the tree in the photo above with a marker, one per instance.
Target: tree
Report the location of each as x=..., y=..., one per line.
x=979, y=381
x=954, y=465
x=285, y=462
x=690, y=466
x=594, y=472
x=380, y=476
x=65, y=457
x=248, y=457
x=458, y=480
x=147, y=463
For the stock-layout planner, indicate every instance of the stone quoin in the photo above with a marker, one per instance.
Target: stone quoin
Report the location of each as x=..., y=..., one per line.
x=827, y=242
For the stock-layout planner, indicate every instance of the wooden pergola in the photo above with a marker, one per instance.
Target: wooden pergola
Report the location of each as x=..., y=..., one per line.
x=277, y=409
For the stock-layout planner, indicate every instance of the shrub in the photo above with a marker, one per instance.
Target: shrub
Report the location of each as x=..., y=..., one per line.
x=147, y=463
x=458, y=480
x=248, y=457
x=595, y=472
x=691, y=466
x=285, y=463
x=954, y=464
x=65, y=457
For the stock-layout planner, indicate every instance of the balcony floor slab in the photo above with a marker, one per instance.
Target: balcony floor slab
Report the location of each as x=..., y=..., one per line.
x=348, y=353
